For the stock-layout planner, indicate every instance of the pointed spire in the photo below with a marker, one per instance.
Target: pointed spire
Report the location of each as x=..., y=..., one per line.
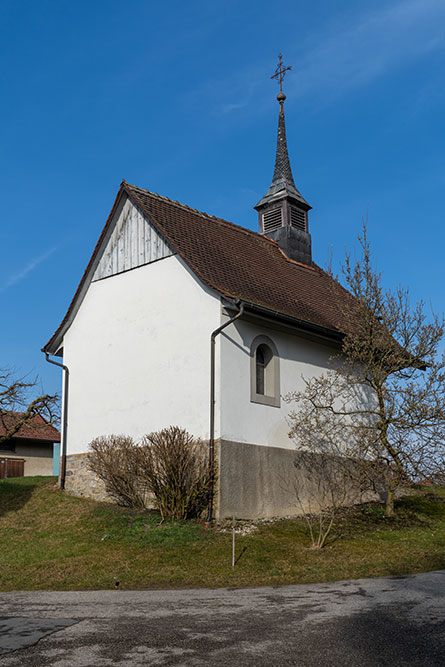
x=283, y=169
x=283, y=212
x=282, y=181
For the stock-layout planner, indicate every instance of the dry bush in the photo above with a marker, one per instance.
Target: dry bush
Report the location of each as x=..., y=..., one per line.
x=115, y=460
x=169, y=466
x=324, y=484
x=175, y=470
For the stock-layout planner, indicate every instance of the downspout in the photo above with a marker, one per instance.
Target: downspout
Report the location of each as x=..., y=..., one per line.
x=66, y=374
x=212, y=401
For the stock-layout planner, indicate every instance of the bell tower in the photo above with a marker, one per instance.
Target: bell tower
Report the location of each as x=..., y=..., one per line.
x=283, y=212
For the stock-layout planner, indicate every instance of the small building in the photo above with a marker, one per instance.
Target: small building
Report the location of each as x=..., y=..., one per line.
x=33, y=450
x=165, y=286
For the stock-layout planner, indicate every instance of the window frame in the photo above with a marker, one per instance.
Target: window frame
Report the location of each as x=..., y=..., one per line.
x=272, y=367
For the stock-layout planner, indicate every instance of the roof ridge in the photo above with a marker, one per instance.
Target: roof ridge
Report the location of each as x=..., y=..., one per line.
x=175, y=202
x=203, y=214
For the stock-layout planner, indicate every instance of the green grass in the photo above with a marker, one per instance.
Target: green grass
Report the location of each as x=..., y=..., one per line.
x=50, y=540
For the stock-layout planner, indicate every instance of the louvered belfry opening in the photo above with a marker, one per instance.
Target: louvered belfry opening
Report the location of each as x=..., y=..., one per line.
x=272, y=220
x=298, y=218
x=283, y=211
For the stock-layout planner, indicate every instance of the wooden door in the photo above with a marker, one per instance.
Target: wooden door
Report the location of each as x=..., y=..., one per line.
x=12, y=468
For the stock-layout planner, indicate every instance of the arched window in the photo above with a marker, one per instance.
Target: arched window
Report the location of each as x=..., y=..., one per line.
x=265, y=372
x=263, y=361
x=260, y=369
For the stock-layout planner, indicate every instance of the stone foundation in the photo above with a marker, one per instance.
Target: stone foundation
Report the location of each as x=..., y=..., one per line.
x=80, y=481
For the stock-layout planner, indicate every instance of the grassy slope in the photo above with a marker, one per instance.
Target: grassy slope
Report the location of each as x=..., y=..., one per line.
x=49, y=540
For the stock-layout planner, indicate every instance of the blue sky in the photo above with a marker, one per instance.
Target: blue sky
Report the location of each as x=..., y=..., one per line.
x=177, y=97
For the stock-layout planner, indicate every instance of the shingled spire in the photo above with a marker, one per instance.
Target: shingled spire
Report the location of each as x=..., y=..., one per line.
x=282, y=163
x=283, y=210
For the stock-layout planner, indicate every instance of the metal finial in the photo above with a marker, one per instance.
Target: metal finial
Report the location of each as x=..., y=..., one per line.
x=279, y=75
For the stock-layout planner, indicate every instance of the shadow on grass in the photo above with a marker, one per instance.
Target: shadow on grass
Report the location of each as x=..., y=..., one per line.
x=240, y=555
x=15, y=493
x=425, y=563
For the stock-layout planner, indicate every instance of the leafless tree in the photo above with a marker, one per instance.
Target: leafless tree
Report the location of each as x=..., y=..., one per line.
x=382, y=403
x=21, y=402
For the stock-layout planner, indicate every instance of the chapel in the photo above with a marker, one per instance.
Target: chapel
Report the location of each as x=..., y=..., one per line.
x=183, y=318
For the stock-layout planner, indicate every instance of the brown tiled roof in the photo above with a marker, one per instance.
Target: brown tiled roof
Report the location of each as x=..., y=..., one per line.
x=36, y=428
x=242, y=264
x=236, y=262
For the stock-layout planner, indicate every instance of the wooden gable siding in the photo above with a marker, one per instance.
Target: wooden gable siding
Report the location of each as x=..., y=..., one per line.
x=133, y=242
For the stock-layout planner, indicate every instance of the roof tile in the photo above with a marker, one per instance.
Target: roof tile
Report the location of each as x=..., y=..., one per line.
x=243, y=264
x=36, y=428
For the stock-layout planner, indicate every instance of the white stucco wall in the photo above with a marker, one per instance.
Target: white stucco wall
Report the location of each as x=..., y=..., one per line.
x=138, y=354
x=248, y=422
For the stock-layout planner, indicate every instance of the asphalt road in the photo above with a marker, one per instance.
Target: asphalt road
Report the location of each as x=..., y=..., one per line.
x=392, y=621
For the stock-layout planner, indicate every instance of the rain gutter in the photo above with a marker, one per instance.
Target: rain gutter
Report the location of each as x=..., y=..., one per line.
x=66, y=374
x=295, y=322
x=213, y=336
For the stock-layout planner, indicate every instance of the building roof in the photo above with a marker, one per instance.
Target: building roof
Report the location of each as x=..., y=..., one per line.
x=242, y=264
x=236, y=262
x=36, y=428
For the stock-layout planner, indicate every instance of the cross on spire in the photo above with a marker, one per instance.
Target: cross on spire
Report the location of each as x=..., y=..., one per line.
x=280, y=72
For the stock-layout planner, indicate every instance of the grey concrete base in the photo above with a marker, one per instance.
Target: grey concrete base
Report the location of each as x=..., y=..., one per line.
x=255, y=481
x=263, y=482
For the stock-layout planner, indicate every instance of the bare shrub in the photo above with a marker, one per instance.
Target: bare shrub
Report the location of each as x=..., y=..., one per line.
x=174, y=468
x=169, y=466
x=324, y=484
x=115, y=460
